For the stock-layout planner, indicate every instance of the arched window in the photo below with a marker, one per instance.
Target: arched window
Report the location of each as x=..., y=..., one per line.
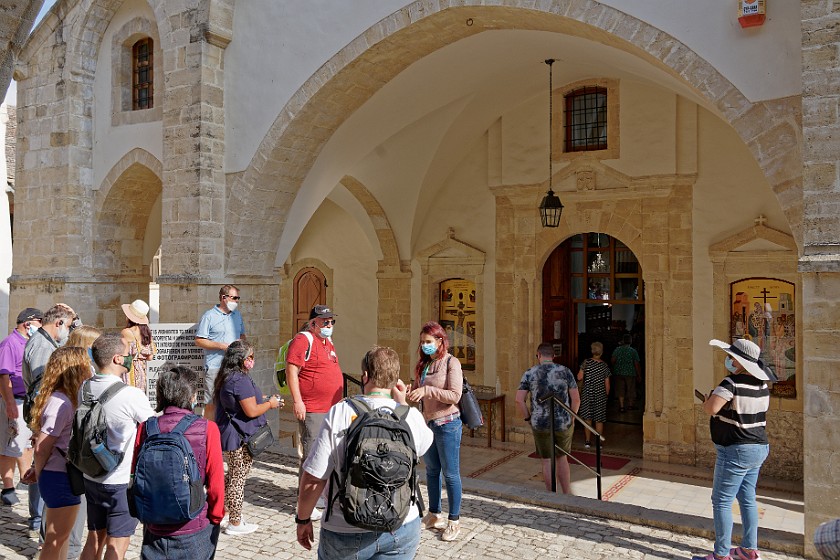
x=586, y=119
x=143, y=74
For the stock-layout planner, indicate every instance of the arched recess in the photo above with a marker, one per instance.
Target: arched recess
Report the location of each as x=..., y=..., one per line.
x=294, y=141
x=122, y=208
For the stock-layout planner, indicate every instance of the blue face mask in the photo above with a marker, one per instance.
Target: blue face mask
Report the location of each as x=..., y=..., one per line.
x=428, y=348
x=31, y=330
x=730, y=365
x=326, y=332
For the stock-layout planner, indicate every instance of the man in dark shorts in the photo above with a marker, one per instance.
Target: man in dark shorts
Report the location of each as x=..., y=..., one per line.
x=540, y=381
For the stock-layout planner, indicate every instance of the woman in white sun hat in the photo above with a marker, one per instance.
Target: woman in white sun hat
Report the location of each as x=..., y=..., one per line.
x=738, y=408
x=139, y=336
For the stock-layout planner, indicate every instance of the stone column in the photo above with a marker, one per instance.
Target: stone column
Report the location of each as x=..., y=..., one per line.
x=393, y=320
x=820, y=264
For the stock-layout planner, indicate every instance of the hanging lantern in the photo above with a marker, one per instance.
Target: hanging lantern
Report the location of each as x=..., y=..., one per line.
x=550, y=208
x=752, y=13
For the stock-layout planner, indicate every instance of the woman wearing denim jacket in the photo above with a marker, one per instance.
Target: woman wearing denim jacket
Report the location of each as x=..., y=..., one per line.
x=438, y=382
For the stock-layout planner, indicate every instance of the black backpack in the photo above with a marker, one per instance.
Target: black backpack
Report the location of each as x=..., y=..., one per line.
x=377, y=484
x=88, y=449
x=29, y=398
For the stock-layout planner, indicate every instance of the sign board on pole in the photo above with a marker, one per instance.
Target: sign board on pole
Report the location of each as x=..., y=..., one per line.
x=175, y=346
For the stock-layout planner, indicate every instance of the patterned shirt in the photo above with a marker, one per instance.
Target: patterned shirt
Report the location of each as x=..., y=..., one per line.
x=541, y=381
x=625, y=358
x=827, y=539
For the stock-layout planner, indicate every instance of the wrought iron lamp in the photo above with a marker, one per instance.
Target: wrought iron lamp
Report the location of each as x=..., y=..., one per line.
x=550, y=208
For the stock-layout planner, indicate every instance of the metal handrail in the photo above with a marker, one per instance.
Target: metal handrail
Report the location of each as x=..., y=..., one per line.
x=552, y=398
x=350, y=379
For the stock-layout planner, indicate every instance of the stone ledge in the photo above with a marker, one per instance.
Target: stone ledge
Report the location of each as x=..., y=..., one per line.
x=820, y=262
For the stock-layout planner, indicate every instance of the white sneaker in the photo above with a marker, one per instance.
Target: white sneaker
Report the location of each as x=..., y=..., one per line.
x=316, y=515
x=225, y=521
x=242, y=529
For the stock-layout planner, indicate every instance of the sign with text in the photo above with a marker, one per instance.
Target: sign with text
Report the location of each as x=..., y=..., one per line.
x=175, y=346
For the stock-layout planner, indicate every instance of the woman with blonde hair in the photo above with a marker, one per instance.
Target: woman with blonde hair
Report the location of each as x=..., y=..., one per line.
x=83, y=337
x=52, y=420
x=595, y=375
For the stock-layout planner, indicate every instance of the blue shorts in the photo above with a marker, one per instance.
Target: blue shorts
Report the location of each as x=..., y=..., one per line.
x=107, y=508
x=55, y=490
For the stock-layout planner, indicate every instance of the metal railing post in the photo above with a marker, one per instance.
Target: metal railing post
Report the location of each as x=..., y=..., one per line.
x=575, y=418
x=553, y=447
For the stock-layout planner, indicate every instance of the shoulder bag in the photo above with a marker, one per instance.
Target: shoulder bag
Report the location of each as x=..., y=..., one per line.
x=468, y=405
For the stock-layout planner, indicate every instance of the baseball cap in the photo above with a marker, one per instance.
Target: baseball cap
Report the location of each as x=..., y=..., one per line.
x=29, y=314
x=321, y=312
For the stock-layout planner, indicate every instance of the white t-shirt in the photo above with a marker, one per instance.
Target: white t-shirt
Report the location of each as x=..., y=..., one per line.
x=327, y=452
x=123, y=412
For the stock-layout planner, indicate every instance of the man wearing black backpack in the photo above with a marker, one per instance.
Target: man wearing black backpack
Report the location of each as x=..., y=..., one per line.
x=371, y=521
x=110, y=525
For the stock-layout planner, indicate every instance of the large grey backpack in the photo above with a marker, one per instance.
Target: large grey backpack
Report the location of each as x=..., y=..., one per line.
x=377, y=484
x=88, y=449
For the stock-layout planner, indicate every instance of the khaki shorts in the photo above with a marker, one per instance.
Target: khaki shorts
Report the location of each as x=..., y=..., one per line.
x=562, y=439
x=13, y=445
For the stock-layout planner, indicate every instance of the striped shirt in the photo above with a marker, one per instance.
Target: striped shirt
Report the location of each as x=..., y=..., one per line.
x=743, y=418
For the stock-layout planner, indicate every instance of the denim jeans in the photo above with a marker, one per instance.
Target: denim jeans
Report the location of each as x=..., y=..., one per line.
x=399, y=545
x=200, y=545
x=736, y=473
x=445, y=455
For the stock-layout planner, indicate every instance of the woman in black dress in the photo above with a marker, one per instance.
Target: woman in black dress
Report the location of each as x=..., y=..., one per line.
x=595, y=375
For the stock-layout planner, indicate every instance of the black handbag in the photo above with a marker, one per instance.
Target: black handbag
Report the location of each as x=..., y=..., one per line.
x=259, y=440
x=256, y=442
x=470, y=410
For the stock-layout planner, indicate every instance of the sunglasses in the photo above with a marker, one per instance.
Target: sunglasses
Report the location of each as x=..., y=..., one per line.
x=234, y=298
x=328, y=322
x=251, y=357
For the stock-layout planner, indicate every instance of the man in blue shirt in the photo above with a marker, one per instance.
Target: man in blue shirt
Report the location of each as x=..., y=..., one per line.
x=218, y=327
x=541, y=381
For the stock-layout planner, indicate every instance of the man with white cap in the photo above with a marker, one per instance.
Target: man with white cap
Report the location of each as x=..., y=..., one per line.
x=738, y=408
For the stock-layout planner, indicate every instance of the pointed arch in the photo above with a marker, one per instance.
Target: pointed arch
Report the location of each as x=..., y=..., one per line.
x=122, y=209
x=384, y=231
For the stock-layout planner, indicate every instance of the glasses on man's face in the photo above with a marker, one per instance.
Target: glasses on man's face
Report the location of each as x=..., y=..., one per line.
x=329, y=322
x=234, y=298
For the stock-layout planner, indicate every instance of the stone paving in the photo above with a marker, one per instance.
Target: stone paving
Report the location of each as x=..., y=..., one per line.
x=491, y=528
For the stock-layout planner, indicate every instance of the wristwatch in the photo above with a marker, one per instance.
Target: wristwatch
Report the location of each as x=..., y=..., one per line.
x=300, y=521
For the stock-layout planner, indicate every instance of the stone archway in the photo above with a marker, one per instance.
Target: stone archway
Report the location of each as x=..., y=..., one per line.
x=353, y=75
x=122, y=208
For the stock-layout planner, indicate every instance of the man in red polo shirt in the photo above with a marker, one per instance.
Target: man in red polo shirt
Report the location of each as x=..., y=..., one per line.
x=316, y=383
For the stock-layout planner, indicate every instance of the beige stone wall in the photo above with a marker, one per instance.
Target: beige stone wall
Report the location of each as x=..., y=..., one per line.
x=654, y=220
x=820, y=262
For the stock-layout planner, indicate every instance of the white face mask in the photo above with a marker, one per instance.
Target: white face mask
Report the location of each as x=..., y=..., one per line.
x=63, y=334
x=232, y=305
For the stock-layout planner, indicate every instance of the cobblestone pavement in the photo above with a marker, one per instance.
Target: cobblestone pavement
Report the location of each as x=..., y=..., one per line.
x=491, y=528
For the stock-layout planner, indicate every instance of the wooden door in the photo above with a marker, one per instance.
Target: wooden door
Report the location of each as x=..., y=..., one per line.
x=558, y=316
x=310, y=290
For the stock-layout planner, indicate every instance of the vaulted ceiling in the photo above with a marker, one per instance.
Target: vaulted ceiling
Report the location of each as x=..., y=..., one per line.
x=16, y=18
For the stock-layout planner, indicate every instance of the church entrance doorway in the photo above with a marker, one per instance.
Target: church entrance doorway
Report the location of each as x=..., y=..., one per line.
x=593, y=292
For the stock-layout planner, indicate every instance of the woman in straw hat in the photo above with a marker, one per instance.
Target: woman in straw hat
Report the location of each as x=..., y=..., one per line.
x=139, y=336
x=738, y=408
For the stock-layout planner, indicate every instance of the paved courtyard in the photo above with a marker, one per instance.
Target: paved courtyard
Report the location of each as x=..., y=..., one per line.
x=492, y=528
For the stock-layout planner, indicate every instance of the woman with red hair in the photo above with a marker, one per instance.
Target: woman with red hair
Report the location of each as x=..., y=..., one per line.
x=438, y=381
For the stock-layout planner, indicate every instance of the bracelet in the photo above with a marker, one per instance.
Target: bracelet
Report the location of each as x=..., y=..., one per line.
x=300, y=521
